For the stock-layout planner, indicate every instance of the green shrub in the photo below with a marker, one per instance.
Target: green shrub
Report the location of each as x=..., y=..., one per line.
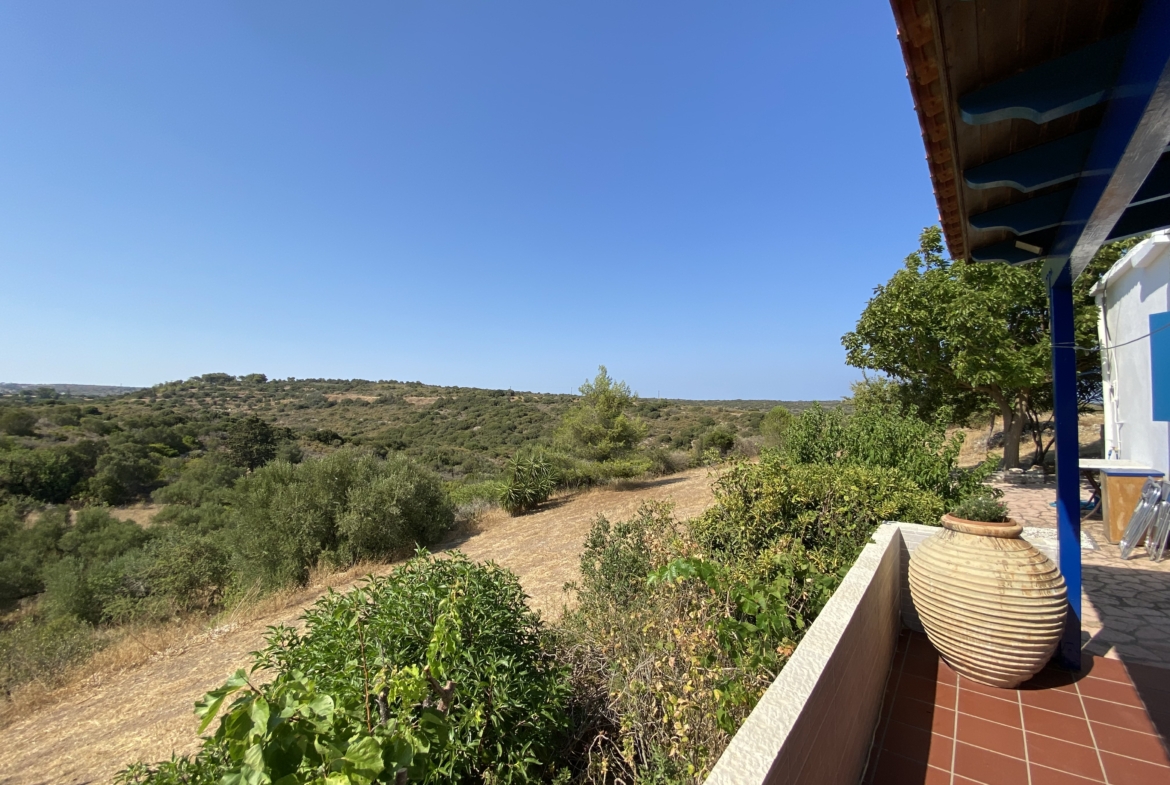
x=680, y=627
x=18, y=422
x=251, y=442
x=982, y=507
x=671, y=648
x=201, y=480
x=96, y=536
x=43, y=650
x=125, y=473
x=48, y=474
x=718, y=439
x=345, y=506
x=529, y=482
x=774, y=427
x=402, y=508
x=472, y=494
x=188, y=570
x=596, y=427
x=831, y=509
x=881, y=433
x=438, y=669
x=65, y=415
x=25, y=550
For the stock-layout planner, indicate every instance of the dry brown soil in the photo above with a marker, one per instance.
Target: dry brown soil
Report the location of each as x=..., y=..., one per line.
x=93, y=728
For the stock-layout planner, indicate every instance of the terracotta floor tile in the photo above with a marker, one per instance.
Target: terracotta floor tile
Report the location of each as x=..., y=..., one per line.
x=1052, y=679
x=1042, y=775
x=1054, y=700
x=1116, y=714
x=1111, y=691
x=1127, y=771
x=985, y=766
x=946, y=674
x=945, y=695
x=1064, y=756
x=938, y=776
x=1103, y=668
x=991, y=736
x=896, y=770
x=942, y=751
x=908, y=741
x=1130, y=743
x=943, y=722
x=979, y=705
x=995, y=692
x=921, y=666
x=1148, y=676
x=912, y=712
x=921, y=689
x=1058, y=726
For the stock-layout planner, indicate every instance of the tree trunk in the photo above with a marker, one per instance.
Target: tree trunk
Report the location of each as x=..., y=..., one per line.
x=1013, y=425
x=1012, y=431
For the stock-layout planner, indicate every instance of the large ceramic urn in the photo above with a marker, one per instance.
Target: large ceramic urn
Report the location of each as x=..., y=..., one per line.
x=991, y=603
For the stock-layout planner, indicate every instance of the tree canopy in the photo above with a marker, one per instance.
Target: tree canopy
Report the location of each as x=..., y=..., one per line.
x=596, y=427
x=974, y=336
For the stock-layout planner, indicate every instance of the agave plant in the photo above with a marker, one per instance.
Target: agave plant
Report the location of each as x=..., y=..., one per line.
x=531, y=480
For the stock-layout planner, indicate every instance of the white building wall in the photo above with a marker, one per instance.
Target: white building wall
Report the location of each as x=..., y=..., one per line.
x=1137, y=286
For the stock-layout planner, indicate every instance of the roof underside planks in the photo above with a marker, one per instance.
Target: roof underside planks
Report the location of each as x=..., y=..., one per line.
x=1010, y=95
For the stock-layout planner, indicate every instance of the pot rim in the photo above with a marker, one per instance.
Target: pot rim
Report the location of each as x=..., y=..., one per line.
x=1008, y=530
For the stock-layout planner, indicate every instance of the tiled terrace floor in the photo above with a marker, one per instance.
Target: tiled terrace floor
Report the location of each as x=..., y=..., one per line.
x=1101, y=725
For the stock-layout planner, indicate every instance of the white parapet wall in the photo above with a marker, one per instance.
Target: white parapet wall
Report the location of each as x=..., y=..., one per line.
x=815, y=722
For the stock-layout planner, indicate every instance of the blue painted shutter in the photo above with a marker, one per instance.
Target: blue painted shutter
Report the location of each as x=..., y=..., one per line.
x=1160, y=364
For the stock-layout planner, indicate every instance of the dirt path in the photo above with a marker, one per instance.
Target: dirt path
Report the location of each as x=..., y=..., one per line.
x=145, y=713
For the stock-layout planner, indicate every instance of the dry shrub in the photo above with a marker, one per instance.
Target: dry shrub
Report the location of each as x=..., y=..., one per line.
x=658, y=691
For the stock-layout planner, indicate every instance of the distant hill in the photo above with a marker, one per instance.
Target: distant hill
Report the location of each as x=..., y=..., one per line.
x=73, y=390
x=752, y=405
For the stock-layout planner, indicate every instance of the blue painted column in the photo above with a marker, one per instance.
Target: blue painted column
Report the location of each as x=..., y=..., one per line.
x=1068, y=479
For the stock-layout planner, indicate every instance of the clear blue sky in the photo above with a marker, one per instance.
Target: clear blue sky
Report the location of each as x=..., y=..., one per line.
x=700, y=195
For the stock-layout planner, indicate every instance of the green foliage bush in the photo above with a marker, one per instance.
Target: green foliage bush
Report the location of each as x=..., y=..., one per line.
x=18, y=422
x=191, y=571
x=251, y=442
x=43, y=650
x=981, y=507
x=26, y=549
x=883, y=433
x=438, y=671
x=681, y=626
x=126, y=472
x=597, y=427
x=346, y=506
x=830, y=509
x=774, y=427
x=48, y=474
x=530, y=480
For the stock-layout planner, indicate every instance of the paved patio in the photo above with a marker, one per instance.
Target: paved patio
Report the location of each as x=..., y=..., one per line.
x=1126, y=603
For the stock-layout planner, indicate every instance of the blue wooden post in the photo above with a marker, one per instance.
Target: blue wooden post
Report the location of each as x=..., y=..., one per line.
x=1068, y=479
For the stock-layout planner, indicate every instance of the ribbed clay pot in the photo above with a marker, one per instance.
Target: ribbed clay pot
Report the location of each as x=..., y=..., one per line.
x=991, y=603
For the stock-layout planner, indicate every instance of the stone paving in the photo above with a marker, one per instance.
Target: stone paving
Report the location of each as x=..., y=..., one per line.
x=1126, y=603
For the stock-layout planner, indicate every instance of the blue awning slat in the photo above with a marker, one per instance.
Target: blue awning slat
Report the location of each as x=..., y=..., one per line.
x=1051, y=90
x=1037, y=167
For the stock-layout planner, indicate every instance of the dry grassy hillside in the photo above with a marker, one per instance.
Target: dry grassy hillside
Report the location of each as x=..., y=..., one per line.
x=135, y=705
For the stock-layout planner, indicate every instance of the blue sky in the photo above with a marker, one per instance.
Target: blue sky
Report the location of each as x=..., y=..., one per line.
x=700, y=195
